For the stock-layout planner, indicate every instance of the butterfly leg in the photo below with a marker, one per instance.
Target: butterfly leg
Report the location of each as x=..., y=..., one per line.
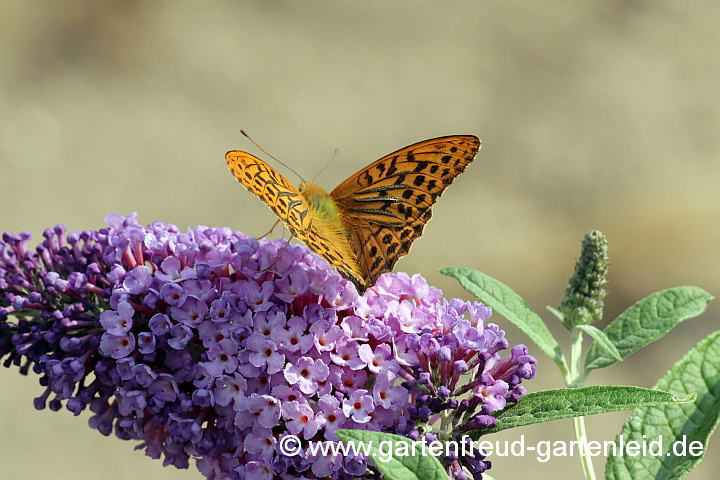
x=271, y=229
x=287, y=244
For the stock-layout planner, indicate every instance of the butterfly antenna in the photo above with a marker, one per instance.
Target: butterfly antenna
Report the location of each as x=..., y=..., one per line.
x=266, y=153
x=325, y=166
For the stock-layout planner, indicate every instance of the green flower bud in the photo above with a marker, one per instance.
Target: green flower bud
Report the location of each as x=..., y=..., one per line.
x=583, y=303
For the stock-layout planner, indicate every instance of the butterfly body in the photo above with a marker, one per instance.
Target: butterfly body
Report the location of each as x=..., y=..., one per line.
x=328, y=218
x=371, y=219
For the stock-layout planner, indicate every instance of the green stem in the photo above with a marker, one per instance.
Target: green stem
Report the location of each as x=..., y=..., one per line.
x=576, y=371
x=577, y=380
x=567, y=376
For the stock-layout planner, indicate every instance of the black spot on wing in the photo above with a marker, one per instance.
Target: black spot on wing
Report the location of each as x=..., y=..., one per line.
x=368, y=178
x=392, y=169
x=420, y=166
x=408, y=212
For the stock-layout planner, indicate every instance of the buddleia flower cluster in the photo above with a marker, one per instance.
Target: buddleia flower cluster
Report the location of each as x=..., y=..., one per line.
x=215, y=345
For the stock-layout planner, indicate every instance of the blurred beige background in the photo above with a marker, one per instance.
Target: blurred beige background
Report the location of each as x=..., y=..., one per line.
x=593, y=115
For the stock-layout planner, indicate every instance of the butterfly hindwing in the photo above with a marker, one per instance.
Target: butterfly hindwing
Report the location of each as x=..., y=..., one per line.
x=380, y=247
x=386, y=205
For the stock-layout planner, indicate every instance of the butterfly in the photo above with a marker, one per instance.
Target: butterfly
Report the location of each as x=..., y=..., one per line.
x=371, y=219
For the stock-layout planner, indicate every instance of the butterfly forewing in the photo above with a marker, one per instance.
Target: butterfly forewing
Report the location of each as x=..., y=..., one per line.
x=276, y=191
x=290, y=206
x=386, y=205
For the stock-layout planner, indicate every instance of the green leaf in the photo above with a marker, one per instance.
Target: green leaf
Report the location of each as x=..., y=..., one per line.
x=602, y=340
x=548, y=405
x=648, y=320
x=698, y=372
x=555, y=312
x=393, y=455
x=510, y=305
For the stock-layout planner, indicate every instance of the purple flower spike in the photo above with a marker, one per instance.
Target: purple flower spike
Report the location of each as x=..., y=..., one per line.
x=213, y=345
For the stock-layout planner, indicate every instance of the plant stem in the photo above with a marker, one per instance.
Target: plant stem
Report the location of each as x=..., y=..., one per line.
x=576, y=376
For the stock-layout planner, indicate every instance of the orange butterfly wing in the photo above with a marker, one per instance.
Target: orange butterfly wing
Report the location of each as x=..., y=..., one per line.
x=386, y=205
x=290, y=206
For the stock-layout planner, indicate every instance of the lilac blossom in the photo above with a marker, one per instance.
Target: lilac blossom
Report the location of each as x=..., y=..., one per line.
x=331, y=415
x=138, y=280
x=118, y=322
x=306, y=372
x=173, y=294
x=265, y=407
x=358, y=406
x=191, y=312
x=212, y=344
x=264, y=354
x=300, y=419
